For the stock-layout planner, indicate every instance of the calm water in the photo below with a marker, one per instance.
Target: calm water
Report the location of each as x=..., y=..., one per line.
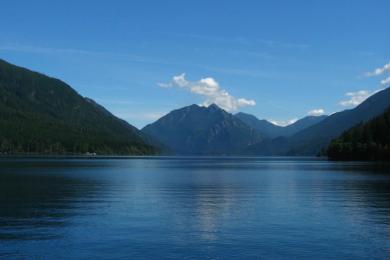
x=193, y=208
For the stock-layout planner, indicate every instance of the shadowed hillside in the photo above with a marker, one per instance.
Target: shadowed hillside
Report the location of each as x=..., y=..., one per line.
x=368, y=141
x=43, y=115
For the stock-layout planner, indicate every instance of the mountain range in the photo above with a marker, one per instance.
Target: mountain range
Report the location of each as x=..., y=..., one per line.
x=314, y=139
x=271, y=130
x=199, y=130
x=44, y=115
x=211, y=130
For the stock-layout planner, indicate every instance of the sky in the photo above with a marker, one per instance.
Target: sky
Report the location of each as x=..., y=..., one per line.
x=278, y=60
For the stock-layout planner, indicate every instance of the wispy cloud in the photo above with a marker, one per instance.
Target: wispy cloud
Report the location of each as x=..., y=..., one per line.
x=46, y=50
x=65, y=52
x=239, y=72
x=247, y=41
x=356, y=98
x=210, y=90
x=283, y=122
x=379, y=71
x=135, y=58
x=316, y=112
x=386, y=82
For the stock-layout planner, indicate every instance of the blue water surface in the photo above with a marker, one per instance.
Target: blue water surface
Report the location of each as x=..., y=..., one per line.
x=193, y=208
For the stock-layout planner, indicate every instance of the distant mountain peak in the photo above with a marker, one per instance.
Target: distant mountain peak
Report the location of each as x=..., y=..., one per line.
x=214, y=106
x=193, y=106
x=202, y=130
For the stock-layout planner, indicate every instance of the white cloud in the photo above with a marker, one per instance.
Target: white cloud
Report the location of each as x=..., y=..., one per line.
x=210, y=90
x=316, y=112
x=245, y=102
x=164, y=85
x=284, y=122
x=386, y=81
x=379, y=71
x=356, y=98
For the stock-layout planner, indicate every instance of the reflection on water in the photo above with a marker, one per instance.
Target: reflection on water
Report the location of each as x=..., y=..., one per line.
x=193, y=208
x=34, y=202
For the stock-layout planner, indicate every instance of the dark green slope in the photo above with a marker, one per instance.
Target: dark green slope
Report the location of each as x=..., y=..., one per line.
x=44, y=115
x=202, y=131
x=367, y=141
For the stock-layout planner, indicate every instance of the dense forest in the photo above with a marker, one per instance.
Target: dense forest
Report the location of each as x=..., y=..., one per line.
x=43, y=115
x=367, y=141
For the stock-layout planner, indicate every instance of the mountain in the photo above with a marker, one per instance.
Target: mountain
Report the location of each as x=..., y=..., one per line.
x=270, y=130
x=366, y=141
x=264, y=127
x=202, y=131
x=43, y=115
x=302, y=124
x=312, y=140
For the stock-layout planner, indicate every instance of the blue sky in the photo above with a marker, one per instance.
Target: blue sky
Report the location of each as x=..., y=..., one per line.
x=289, y=57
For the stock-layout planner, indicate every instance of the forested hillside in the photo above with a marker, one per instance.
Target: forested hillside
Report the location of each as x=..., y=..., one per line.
x=367, y=141
x=44, y=115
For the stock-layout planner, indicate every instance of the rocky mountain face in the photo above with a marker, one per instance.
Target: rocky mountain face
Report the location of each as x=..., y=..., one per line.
x=202, y=131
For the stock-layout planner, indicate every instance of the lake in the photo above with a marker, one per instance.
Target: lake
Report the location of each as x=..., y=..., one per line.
x=193, y=208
